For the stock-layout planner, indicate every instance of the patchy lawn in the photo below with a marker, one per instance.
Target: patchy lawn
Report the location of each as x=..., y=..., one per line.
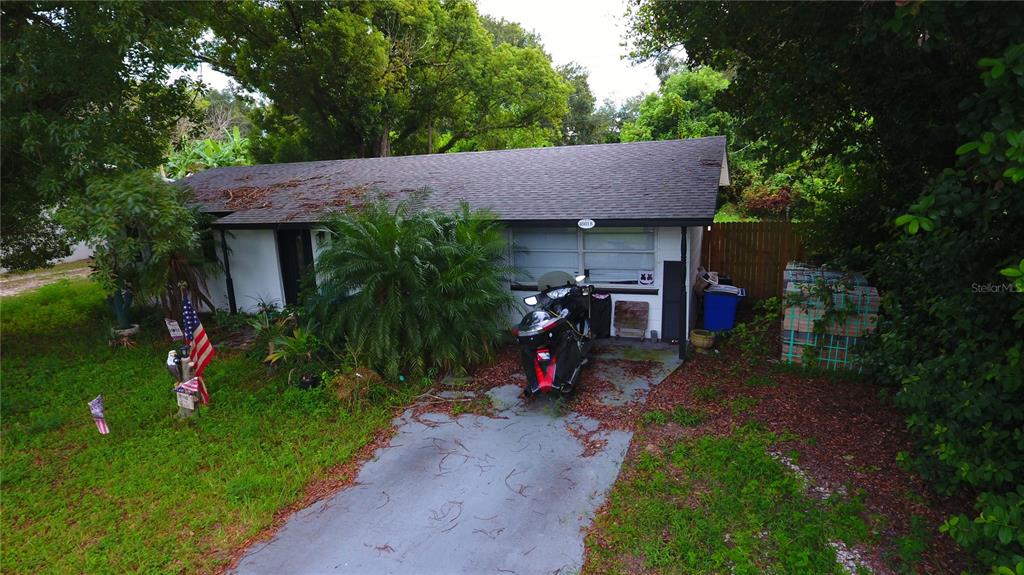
x=12, y=283
x=157, y=494
x=742, y=466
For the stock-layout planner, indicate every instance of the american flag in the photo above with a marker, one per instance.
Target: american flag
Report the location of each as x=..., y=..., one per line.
x=96, y=408
x=194, y=385
x=190, y=386
x=200, y=348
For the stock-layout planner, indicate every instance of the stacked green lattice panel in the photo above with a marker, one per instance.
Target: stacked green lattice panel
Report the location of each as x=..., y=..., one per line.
x=831, y=346
x=803, y=273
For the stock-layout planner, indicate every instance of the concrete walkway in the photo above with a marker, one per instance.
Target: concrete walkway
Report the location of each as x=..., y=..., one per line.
x=507, y=494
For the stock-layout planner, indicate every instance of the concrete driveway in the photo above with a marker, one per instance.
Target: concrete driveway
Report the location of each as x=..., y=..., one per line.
x=512, y=493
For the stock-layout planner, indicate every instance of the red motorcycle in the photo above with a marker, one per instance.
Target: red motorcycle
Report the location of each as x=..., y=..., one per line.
x=555, y=338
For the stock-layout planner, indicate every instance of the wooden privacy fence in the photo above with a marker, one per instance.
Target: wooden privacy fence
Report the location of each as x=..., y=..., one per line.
x=753, y=254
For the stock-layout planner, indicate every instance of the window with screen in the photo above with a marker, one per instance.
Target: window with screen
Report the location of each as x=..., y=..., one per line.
x=536, y=252
x=617, y=255
x=609, y=255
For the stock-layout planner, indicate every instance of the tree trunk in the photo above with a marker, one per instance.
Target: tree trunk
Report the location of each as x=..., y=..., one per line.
x=430, y=135
x=121, y=302
x=382, y=147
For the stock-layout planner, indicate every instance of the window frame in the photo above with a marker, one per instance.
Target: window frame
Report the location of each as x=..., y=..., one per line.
x=581, y=252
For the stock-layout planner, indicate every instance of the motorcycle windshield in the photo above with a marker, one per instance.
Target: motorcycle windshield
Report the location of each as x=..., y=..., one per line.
x=536, y=322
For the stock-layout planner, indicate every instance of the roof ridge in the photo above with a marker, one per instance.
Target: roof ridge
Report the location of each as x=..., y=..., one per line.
x=466, y=153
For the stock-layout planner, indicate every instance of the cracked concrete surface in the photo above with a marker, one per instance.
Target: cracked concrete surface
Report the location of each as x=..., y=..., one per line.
x=472, y=494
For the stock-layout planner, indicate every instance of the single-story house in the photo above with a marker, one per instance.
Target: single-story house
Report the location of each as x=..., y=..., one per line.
x=630, y=215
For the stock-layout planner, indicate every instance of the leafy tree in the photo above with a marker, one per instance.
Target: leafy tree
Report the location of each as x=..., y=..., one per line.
x=873, y=86
x=230, y=150
x=222, y=111
x=684, y=107
x=612, y=117
x=144, y=239
x=414, y=291
x=85, y=91
x=371, y=79
x=962, y=383
x=505, y=32
x=582, y=125
x=667, y=64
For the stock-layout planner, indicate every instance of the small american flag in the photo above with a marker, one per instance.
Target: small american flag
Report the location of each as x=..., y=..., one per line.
x=200, y=350
x=194, y=385
x=96, y=408
x=190, y=386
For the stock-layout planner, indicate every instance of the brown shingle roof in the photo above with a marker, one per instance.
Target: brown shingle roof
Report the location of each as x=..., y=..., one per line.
x=665, y=180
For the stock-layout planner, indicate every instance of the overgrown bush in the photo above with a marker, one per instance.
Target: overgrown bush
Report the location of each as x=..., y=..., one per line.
x=951, y=330
x=145, y=239
x=408, y=291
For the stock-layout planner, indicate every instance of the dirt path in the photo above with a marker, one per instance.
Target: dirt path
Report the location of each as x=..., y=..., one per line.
x=15, y=283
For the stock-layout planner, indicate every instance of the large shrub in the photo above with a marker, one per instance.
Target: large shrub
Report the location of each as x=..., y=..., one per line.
x=144, y=238
x=409, y=291
x=952, y=334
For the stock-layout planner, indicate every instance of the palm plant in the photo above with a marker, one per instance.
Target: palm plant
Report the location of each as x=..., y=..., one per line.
x=414, y=290
x=299, y=347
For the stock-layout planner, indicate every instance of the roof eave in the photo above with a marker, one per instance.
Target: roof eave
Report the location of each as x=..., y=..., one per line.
x=550, y=223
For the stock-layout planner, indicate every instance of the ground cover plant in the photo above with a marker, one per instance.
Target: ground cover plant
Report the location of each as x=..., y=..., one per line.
x=156, y=494
x=720, y=504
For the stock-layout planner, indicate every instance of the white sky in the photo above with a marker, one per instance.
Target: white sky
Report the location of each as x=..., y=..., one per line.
x=588, y=32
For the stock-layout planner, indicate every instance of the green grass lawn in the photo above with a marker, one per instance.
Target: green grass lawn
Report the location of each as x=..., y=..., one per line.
x=157, y=494
x=718, y=504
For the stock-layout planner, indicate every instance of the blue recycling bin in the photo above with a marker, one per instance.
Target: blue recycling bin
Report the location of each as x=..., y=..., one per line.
x=720, y=304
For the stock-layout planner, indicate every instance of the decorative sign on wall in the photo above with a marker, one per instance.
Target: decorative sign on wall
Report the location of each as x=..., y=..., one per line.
x=645, y=277
x=586, y=224
x=174, y=329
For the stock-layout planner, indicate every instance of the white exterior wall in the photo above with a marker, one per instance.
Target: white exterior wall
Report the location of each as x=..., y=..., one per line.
x=255, y=270
x=667, y=246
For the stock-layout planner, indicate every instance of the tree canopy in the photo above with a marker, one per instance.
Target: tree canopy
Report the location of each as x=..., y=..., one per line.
x=356, y=79
x=86, y=90
x=875, y=85
x=582, y=124
x=684, y=107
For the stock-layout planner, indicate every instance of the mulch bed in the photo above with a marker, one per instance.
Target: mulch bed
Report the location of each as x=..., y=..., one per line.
x=848, y=439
